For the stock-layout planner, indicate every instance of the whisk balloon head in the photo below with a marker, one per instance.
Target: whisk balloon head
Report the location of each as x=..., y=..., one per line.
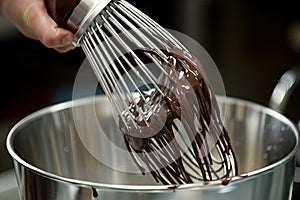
x=161, y=98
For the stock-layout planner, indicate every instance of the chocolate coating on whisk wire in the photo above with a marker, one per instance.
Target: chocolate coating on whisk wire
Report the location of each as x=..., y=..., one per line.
x=202, y=161
x=180, y=112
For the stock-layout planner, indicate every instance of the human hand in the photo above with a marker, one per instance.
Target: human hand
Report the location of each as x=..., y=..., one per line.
x=32, y=20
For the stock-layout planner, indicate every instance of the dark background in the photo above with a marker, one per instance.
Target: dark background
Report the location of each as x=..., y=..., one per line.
x=252, y=42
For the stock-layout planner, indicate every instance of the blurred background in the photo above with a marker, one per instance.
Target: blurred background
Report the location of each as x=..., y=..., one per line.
x=252, y=43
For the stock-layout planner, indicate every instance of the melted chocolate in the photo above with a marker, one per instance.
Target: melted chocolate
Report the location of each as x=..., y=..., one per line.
x=95, y=193
x=189, y=90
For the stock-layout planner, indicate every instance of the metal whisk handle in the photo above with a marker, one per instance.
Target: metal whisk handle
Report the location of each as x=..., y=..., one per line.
x=75, y=15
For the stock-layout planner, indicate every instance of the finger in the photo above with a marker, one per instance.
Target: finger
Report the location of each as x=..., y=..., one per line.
x=45, y=28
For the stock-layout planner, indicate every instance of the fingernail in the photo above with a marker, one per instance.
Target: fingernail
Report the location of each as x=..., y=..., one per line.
x=67, y=40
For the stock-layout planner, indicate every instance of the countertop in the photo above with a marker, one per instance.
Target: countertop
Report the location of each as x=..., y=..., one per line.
x=8, y=186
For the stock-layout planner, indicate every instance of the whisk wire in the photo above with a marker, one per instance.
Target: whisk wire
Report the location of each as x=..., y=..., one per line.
x=148, y=43
x=119, y=44
x=132, y=68
x=146, y=21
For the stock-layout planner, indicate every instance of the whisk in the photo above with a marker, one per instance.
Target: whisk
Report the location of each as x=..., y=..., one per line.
x=161, y=98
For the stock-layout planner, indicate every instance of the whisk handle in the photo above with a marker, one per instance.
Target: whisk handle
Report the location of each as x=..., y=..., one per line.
x=60, y=11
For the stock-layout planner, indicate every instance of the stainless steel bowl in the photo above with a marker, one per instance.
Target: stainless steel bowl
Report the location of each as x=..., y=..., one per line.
x=71, y=151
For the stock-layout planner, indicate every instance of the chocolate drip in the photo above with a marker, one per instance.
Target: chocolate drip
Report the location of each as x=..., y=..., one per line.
x=185, y=89
x=95, y=193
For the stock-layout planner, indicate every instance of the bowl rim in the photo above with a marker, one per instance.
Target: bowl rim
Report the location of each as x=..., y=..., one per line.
x=149, y=188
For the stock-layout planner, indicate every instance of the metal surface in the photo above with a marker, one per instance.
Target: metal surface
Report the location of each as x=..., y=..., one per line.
x=285, y=87
x=83, y=15
x=54, y=161
x=280, y=97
